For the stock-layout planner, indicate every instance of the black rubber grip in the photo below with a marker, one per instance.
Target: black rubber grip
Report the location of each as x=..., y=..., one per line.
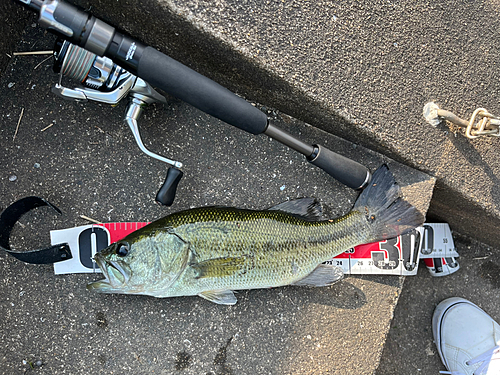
x=184, y=83
x=166, y=194
x=345, y=170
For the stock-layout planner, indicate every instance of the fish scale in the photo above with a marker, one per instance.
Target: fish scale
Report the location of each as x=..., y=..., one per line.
x=278, y=249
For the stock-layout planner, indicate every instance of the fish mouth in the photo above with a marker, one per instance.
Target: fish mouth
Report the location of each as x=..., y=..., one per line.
x=116, y=273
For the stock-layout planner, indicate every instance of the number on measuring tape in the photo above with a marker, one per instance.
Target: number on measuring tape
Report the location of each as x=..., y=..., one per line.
x=90, y=241
x=388, y=257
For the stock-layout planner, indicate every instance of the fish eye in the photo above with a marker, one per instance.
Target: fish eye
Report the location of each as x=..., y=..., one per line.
x=122, y=249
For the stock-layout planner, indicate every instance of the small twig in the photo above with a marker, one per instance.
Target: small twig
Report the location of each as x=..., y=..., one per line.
x=33, y=53
x=42, y=62
x=9, y=56
x=47, y=127
x=90, y=219
x=18, y=122
x=481, y=258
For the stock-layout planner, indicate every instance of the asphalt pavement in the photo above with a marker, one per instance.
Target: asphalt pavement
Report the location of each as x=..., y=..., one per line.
x=87, y=164
x=82, y=158
x=410, y=348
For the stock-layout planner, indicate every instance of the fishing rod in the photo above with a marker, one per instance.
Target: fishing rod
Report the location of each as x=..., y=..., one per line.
x=113, y=65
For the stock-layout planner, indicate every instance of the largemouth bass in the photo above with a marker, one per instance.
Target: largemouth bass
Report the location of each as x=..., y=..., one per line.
x=212, y=251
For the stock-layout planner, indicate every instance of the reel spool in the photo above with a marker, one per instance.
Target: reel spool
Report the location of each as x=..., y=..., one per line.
x=86, y=67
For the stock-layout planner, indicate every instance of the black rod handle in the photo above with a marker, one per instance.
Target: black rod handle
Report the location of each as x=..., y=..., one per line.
x=345, y=170
x=184, y=83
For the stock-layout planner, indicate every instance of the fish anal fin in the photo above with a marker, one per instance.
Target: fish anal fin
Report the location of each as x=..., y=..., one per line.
x=221, y=297
x=219, y=267
x=323, y=275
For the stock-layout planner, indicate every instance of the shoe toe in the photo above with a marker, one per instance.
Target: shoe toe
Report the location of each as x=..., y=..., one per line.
x=462, y=331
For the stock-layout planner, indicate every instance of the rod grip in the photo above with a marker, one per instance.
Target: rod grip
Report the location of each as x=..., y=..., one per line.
x=345, y=170
x=201, y=92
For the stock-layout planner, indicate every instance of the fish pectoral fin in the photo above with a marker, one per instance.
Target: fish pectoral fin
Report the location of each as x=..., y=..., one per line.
x=219, y=267
x=323, y=275
x=221, y=297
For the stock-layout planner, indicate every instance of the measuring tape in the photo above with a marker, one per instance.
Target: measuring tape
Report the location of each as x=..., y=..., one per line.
x=397, y=256
x=72, y=250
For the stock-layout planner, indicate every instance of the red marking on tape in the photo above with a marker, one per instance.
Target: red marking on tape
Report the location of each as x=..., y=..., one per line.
x=117, y=232
x=365, y=251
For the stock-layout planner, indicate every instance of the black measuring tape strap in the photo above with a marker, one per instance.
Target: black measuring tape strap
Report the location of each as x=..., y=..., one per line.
x=9, y=218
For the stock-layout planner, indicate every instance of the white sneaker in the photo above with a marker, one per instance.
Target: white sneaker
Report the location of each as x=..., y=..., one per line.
x=467, y=339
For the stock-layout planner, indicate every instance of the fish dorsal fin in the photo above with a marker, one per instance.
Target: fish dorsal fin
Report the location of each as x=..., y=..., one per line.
x=219, y=267
x=307, y=208
x=323, y=275
x=221, y=297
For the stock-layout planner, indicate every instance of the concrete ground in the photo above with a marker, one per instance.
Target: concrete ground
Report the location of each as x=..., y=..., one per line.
x=341, y=329
x=409, y=348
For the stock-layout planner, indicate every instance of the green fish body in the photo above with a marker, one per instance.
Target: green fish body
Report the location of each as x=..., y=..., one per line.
x=212, y=251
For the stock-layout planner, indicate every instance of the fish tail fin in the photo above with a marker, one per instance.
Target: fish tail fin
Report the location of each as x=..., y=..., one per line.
x=384, y=208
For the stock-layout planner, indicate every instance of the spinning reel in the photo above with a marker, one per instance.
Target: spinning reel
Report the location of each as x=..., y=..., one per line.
x=106, y=82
